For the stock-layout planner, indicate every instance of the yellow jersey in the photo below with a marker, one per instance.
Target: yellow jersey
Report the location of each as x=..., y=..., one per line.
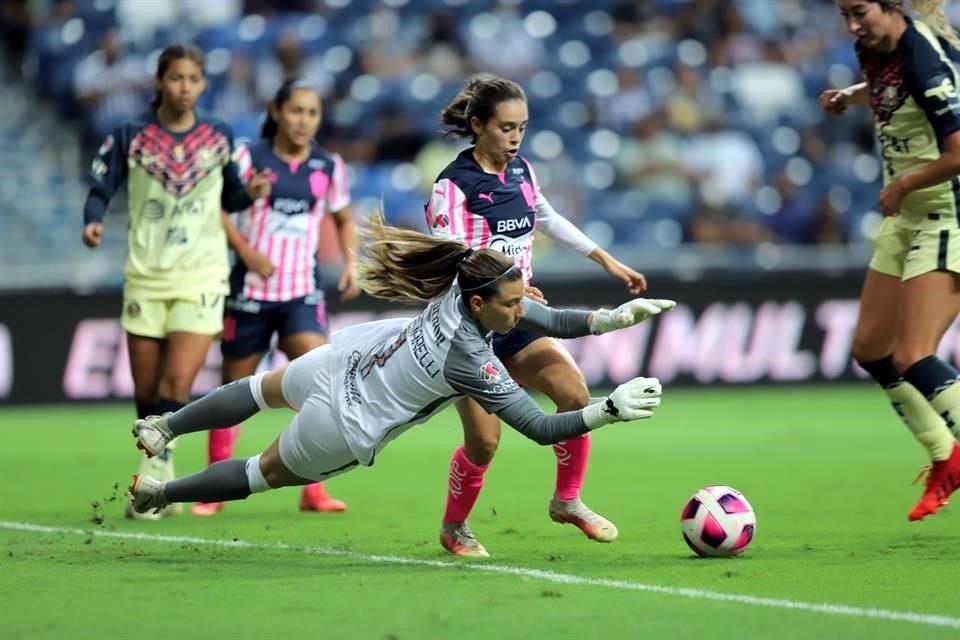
x=177, y=184
x=913, y=94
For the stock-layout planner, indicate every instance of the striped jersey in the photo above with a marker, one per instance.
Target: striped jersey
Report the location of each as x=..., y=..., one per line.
x=497, y=210
x=285, y=227
x=913, y=94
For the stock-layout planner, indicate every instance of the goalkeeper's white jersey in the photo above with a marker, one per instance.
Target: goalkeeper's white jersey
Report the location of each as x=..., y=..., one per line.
x=390, y=375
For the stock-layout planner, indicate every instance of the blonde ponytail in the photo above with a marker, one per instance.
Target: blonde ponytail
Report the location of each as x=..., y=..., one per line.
x=404, y=265
x=931, y=12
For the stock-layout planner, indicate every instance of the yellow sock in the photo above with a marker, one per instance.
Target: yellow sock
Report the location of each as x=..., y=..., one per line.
x=923, y=420
x=947, y=404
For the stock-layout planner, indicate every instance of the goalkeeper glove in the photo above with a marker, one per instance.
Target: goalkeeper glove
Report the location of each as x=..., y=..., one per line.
x=627, y=314
x=633, y=400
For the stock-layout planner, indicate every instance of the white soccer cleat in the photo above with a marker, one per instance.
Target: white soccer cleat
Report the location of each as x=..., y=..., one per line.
x=591, y=523
x=458, y=539
x=152, y=434
x=161, y=468
x=147, y=495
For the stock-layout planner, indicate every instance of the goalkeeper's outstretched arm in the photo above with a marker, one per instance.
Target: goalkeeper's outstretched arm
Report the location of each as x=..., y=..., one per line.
x=560, y=323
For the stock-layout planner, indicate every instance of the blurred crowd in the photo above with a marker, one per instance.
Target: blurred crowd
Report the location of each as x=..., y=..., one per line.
x=653, y=122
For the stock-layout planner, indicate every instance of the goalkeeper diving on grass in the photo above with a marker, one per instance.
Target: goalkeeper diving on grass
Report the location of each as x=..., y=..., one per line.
x=376, y=380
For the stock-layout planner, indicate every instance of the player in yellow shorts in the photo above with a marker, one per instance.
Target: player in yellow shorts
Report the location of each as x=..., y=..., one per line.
x=179, y=173
x=905, y=252
x=912, y=293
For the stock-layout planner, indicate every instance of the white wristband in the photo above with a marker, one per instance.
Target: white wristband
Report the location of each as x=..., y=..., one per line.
x=595, y=415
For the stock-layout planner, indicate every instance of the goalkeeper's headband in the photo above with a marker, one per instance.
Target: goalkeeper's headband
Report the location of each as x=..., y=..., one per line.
x=487, y=284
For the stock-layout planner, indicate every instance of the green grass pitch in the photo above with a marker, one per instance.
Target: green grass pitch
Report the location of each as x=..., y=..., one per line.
x=828, y=470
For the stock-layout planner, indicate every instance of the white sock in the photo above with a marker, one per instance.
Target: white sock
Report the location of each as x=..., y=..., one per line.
x=256, y=388
x=258, y=484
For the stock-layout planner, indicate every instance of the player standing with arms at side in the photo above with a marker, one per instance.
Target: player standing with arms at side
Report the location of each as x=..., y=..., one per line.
x=376, y=380
x=274, y=286
x=180, y=176
x=911, y=295
x=489, y=198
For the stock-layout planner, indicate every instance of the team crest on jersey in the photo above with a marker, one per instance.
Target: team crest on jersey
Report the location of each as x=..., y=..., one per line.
x=316, y=163
x=489, y=373
x=441, y=221
x=206, y=158
x=888, y=89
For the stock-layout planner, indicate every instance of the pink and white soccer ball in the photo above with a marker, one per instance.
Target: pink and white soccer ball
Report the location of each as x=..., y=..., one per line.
x=718, y=521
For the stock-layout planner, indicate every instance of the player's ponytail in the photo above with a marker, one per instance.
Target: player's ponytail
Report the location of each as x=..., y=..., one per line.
x=167, y=57
x=932, y=13
x=479, y=99
x=399, y=264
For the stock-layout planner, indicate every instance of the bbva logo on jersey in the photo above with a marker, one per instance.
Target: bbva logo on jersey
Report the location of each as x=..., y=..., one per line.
x=513, y=224
x=291, y=205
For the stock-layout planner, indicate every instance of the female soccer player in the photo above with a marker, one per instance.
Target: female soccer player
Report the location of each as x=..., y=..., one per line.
x=274, y=285
x=177, y=165
x=489, y=198
x=911, y=295
x=377, y=380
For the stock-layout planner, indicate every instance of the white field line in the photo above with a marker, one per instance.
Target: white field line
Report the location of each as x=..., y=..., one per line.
x=535, y=574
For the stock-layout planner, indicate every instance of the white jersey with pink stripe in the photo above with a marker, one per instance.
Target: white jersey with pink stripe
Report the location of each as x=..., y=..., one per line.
x=285, y=227
x=498, y=210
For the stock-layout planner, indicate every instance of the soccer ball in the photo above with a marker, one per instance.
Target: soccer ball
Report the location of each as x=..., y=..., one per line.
x=718, y=521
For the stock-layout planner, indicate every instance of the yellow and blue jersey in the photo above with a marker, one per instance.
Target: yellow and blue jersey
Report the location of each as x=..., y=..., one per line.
x=178, y=182
x=913, y=94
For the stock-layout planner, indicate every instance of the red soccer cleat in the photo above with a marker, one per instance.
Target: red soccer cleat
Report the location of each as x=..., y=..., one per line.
x=942, y=480
x=316, y=498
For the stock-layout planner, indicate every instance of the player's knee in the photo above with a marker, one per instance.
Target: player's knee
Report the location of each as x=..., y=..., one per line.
x=866, y=349
x=480, y=450
x=176, y=385
x=275, y=474
x=573, y=398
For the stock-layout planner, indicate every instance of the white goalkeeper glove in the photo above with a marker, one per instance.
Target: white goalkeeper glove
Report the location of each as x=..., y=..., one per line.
x=633, y=400
x=627, y=314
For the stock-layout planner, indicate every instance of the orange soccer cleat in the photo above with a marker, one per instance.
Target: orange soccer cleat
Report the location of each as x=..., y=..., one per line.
x=943, y=478
x=315, y=498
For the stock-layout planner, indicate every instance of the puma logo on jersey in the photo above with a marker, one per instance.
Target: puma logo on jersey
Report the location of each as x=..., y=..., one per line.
x=506, y=226
x=486, y=196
